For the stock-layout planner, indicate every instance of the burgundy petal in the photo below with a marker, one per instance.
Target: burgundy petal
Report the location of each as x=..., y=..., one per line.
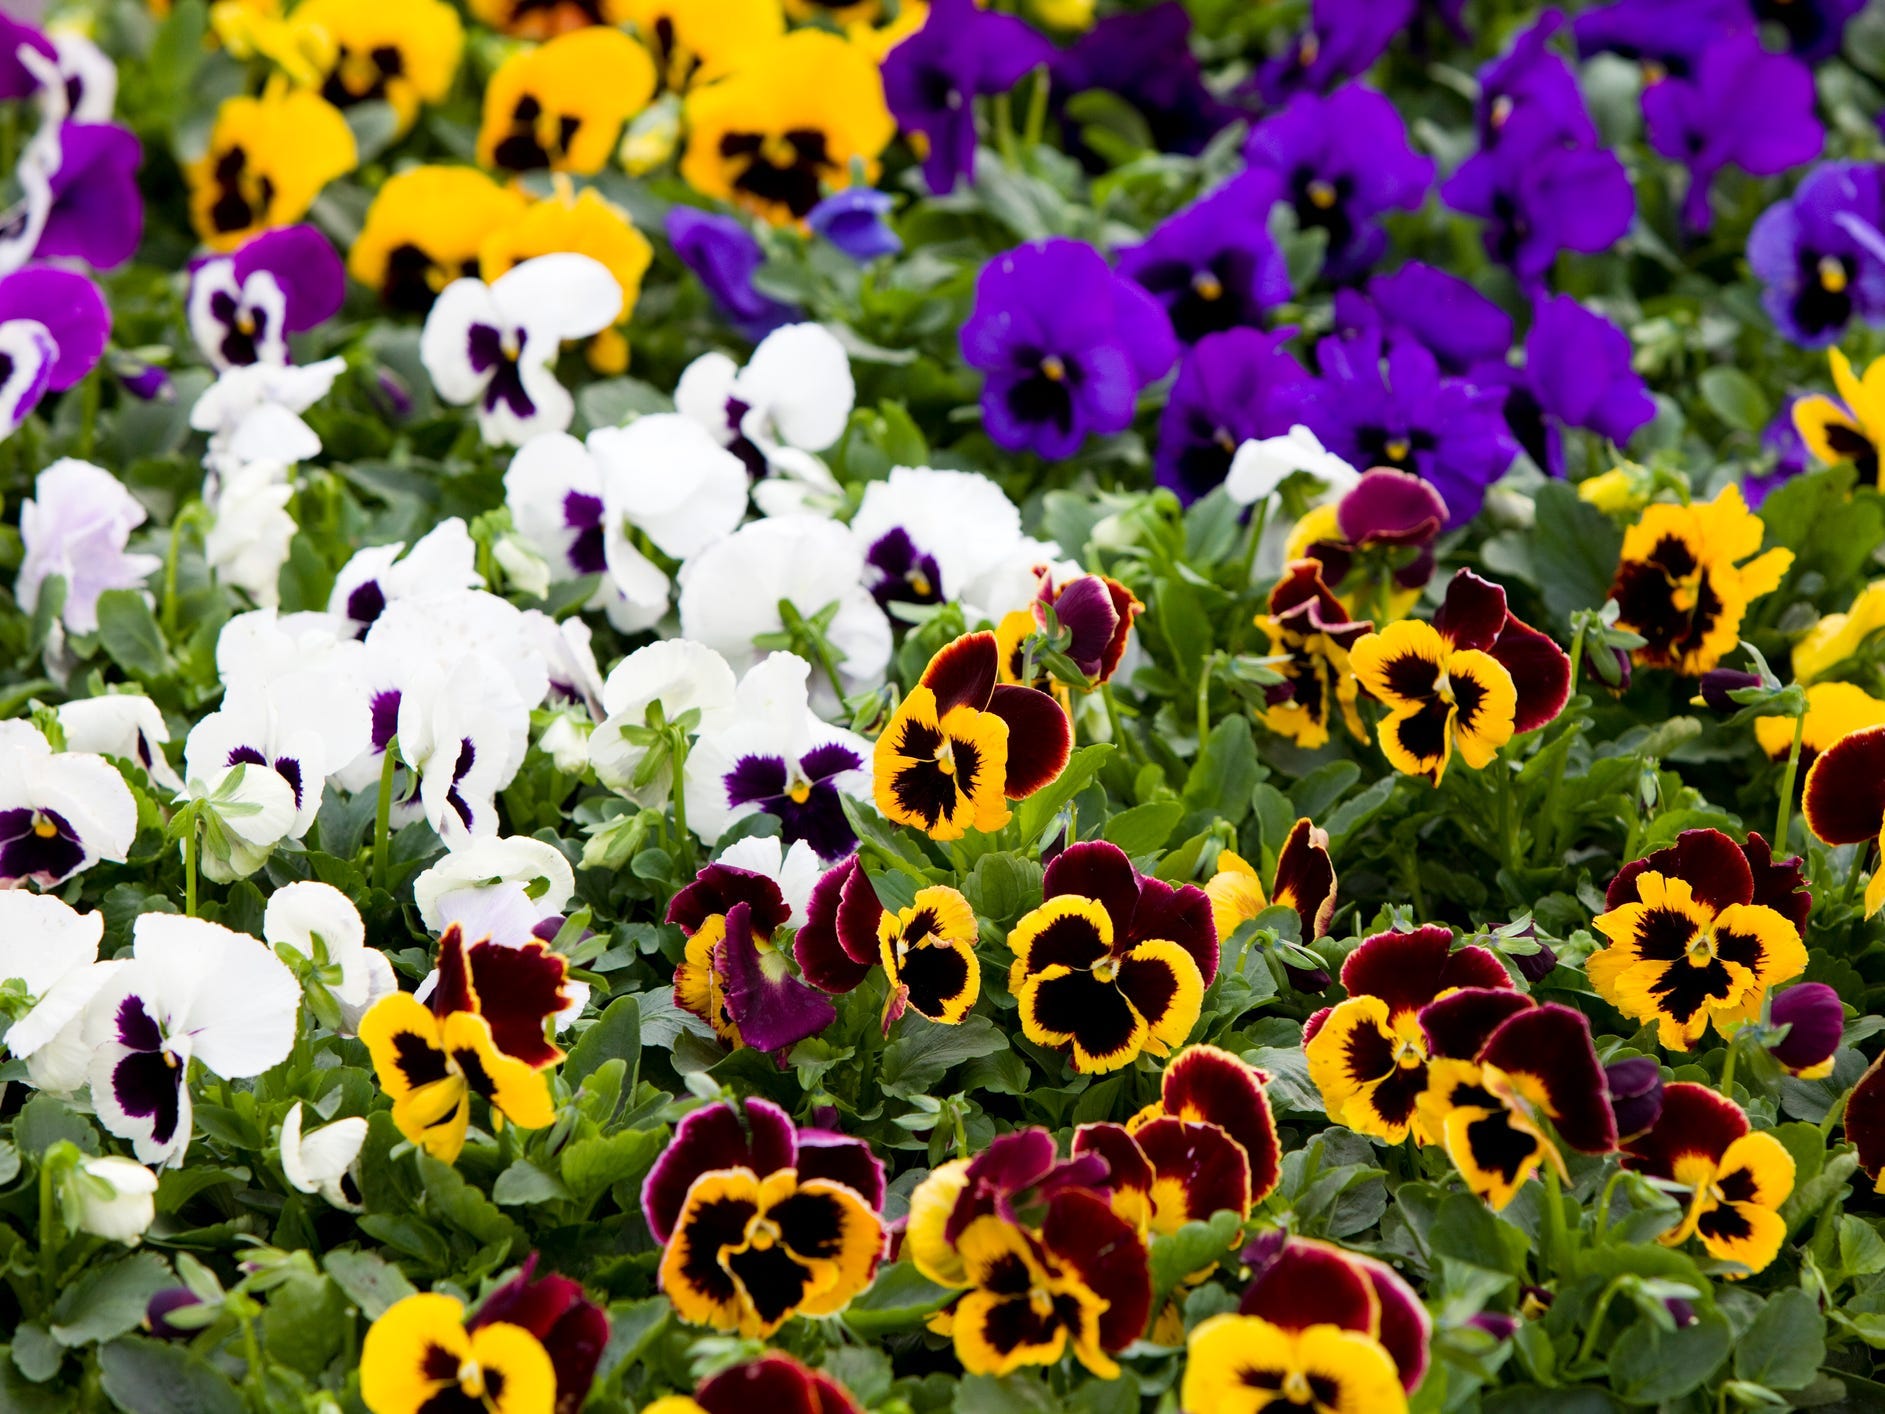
x=453, y=992
x=1694, y=1120
x=1845, y=789
x=1212, y=1085
x=1713, y=865
x=1865, y=1120
x=822, y=957
x=1779, y=884
x=1305, y=879
x=842, y=1158
x=1390, y=508
x=710, y=1138
x=717, y=888
x=1085, y=609
x=1098, y=870
x=1635, y=1086
x=1181, y=915
x=519, y=990
x=1552, y=1044
x=1040, y=738
x=1208, y=1165
x=1473, y=613
x=1303, y=600
x=962, y=674
x=775, y=1383
x=772, y=1013
x=1296, y=1282
x=1541, y=671
x=1084, y=1233
x=1408, y=970
x=1010, y=1164
x=1406, y=1324
x=1461, y=1022
x=1126, y=608
x=1126, y=1163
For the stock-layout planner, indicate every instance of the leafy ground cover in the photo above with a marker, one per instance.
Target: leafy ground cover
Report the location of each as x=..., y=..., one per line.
x=814, y=707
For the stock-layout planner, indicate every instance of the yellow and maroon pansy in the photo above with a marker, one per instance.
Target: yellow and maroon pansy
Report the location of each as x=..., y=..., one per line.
x=798, y=117
x=1833, y=710
x=1242, y=1364
x=1721, y=872
x=1736, y=1179
x=1304, y=882
x=1208, y=1085
x=732, y=975
x=1865, y=1123
x=562, y=104
x=1508, y=1080
x=400, y=52
x=1852, y=430
x=1690, y=948
x=426, y=228
x=1845, y=800
x=1096, y=614
x=1168, y=1172
x=1375, y=544
x=545, y=19
x=928, y=953
x=698, y=41
x=1367, y=1054
x=419, y=1358
x=774, y=1383
x=268, y=158
x=747, y=1253
x=1682, y=584
x=962, y=744
x=1309, y=627
x=1297, y=1283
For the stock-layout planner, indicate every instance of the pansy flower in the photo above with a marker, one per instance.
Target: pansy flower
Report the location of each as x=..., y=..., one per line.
x=931, y=536
x=1304, y=881
x=961, y=745
x=1737, y=1178
x=586, y=224
x=1509, y=1080
x=425, y=229
x=1685, y=579
x=1837, y=638
x=49, y=953
x=421, y=1356
x=1096, y=614
x=761, y=1222
x=561, y=104
x=802, y=115
x=399, y=52
x=1234, y=387
x=482, y=1033
x=324, y=1160
x=1844, y=801
x=791, y=401
x=60, y=812
x=1015, y=1174
x=1376, y=541
x=1066, y=345
x=1213, y=264
x=91, y=209
x=1235, y=1362
x=572, y=1329
x=732, y=975
x=1819, y=254
x=698, y=41
x=725, y=256
x=1343, y=163
x=1367, y=1054
x=303, y=727
x=1145, y=58
x=1815, y=1019
x=243, y=306
x=1203, y=1085
x=53, y=328
x=1865, y=1123
x=1308, y=627
x=1577, y=374
x=932, y=79
x=1851, y=429
x=494, y=345
x=1699, y=935
x=1468, y=681
x=268, y=158
x=1834, y=710
x=1168, y=1172
x=193, y=990
x=928, y=953
x=1112, y=963
x=774, y=1382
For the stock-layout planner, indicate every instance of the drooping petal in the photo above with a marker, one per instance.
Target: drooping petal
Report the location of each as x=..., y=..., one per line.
x=1305, y=879
x=1473, y=613
x=1460, y=1023
x=963, y=672
x=1083, y=1233
x=1040, y=738
x=773, y=1009
x=1212, y=1086
x=1845, y=789
x=1551, y=1045
x=820, y=947
x=1408, y=970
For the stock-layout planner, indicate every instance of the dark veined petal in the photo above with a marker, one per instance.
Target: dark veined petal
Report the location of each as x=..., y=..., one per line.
x=776, y=1384
x=1086, y=609
x=1779, y=884
x=1495, y=1150
x=1473, y=612
x=1305, y=879
x=1552, y=1045
x=417, y=1357
x=1233, y=1361
x=1126, y=608
x=519, y=989
x=1207, y=1084
x=1865, y=1122
x=821, y=946
x=1845, y=790
x=714, y=1218
x=1459, y=1024
x=772, y=1008
x=1353, y=1053
x=1540, y=669
x=1298, y=1282
x=1201, y=1163
x=572, y=1329
x=1129, y=1171
x=842, y=1158
x=1401, y=664
x=1304, y=603
x=830, y=1222
x=1406, y=1325
x=713, y=1137
x=1755, y=1177
x=517, y=1092
x=1178, y=914
x=1761, y=940
x=1716, y=869
x=718, y=887
x=1695, y=1120
x=1408, y=970
x=963, y=672
x=431, y=1099
x=1084, y=1234
x=1040, y=738
x=454, y=991
x=1486, y=700
x=1096, y=869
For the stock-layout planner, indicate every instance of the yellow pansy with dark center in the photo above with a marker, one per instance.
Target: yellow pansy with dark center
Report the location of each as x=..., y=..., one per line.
x=928, y=952
x=1439, y=699
x=699, y=41
x=1308, y=626
x=1242, y=1364
x=1853, y=428
x=427, y=227
x=562, y=104
x=748, y=1253
x=942, y=774
x=1682, y=962
x=419, y=1358
x=268, y=158
x=401, y=52
x=1023, y=1308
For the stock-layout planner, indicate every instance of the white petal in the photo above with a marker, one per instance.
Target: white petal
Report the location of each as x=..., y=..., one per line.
x=445, y=342
x=538, y=868
x=234, y=997
x=565, y=295
x=702, y=393
x=799, y=379
x=43, y=938
x=669, y=476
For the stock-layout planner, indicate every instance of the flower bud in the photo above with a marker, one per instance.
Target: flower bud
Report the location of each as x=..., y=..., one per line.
x=1635, y=1094
x=112, y=1197
x=1717, y=683
x=1817, y=1020
x=158, y=1311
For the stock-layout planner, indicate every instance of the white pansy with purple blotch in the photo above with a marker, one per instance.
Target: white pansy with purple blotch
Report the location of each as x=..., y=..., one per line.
x=442, y=559
x=776, y=755
x=494, y=346
x=930, y=535
x=127, y=725
x=60, y=812
x=302, y=726
x=193, y=990
x=321, y=925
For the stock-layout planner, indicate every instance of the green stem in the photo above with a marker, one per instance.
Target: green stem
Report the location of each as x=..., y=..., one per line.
x=1037, y=111
x=1602, y=1309
x=189, y=865
x=255, y=1377
x=677, y=753
x=1784, y=818
x=1603, y=1208
x=50, y=1232
x=1727, y=1066
x=1835, y=1114
x=383, y=813
x=1860, y=853
x=1508, y=821
x=186, y=517
x=1004, y=130
x=1204, y=698
x=1259, y=520
x=1555, y=1237
x=88, y=413
x=1122, y=741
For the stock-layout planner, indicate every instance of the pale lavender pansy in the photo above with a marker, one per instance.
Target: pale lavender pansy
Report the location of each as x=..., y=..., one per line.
x=77, y=527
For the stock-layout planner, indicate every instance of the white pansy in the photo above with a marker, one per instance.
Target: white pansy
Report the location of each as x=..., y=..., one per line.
x=304, y=727
x=244, y=810
x=252, y=413
x=77, y=526
x=60, y=812
x=50, y=951
x=680, y=675
x=928, y=535
x=321, y=925
x=247, y=543
x=441, y=560
x=122, y=724
x=321, y=1160
x=538, y=870
x=1261, y=466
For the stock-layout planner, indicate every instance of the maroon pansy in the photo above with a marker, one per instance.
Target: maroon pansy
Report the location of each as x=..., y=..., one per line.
x=1143, y=909
x=1474, y=616
x=775, y=1383
x=837, y=947
x=571, y=1328
x=1298, y=1282
x=1206, y=1085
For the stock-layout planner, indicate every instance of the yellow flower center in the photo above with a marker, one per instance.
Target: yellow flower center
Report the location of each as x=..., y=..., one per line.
x=1321, y=194
x=778, y=151
x=1053, y=369
x=799, y=792
x=471, y=1379
x=1041, y=1300
x=1832, y=274
x=763, y=1234
x=44, y=828
x=1409, y=1055
x=1105, y=970
x=1398, y=449
x=919, y=582
x=1208, y=286
x=1501, y=110
x=946, y=757
x=1297, y=1389
x=1654, y=73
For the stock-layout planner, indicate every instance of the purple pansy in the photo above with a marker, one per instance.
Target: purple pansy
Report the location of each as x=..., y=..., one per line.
x=242, y=306
x=1343, y=40
x=855, y=221
x=1144, y=57
x=1821, y=255
x=1212, y=264
x=1540, y=192
x=1781, y=441
x=1665, y=36
x=1343, y=162
x=1231, y=388
x=804, y=794
x=1577, y=374
x=1066, y=345
x=1530, y=78
x=1706, y=121
x=1376, y=407
x=53, y=327
x=725, y=255
x=97, y=213
x=1458, y=325
x=932, y=79
x=1814, y=28
x=17, y=79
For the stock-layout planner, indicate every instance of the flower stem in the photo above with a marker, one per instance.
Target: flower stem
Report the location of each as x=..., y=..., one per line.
x=1204, y=698
x=1555, y=1238
x=1727, y=1066
x=383, y=813
x=677, y=752
x=1784, y=818
x=189, y=866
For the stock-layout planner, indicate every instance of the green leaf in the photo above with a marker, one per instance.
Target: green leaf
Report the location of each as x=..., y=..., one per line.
x=108, y=1301
x=371, y=1282
x=149, y=1377
x=925, y=1050
x=615, y=1035
x=43, y=1122
x=1575, y=551
x=1227, y=771
x=523, y=1183
x=465, y=1207
x=1002, y=886
x=1785, y=1345
x=1175, y=1255
x=1039, y=809
x=306, y=1323
x=128, y=633
x=1649, y=1365
x=1020, y=1393
x=1144, y=828
x=1466, y=1230
x=591, y=1165
x=37, y=1354
x=1735, y=398
x=901, y=1299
